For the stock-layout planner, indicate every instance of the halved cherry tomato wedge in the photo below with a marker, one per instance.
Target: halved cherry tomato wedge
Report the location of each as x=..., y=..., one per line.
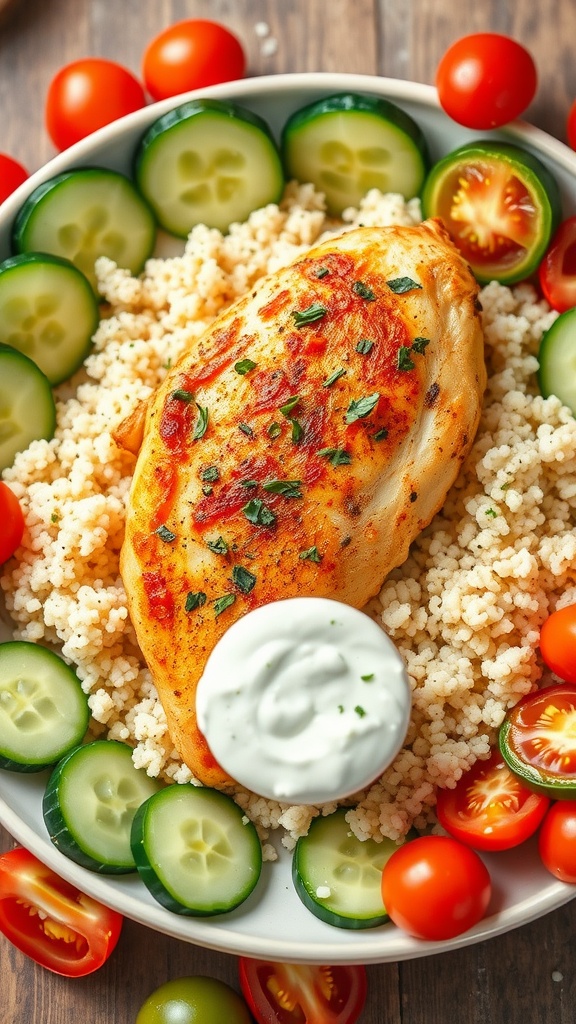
x=50, y=920
x=12, y=519
x=557, y=272
x=538, y=741
x=302, y=993
x=500, y=205
x=490, y=809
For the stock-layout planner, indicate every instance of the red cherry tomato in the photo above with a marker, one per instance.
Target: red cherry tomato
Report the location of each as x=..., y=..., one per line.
x=302, y=993
x=557, y=271
x=87, y=94
x=485, y=80
x=435, y=887
x=51, y=921
x=191, y=54
x=557, y=840
x=490, y=809
x=558, y=642
x=12, y=522
x=12, y=174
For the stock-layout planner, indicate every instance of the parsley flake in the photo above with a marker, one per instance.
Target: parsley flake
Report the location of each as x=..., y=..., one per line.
x=405, y=362
x=336, y=456
x=310, y=555
x=361, y=407
x=360, y=711
x=194, y=599
x=363, y=291
x=258, y=513
x=321, y=272
x=333, y=378
x=181, y=395
x=244, y=366
x=201, y=423
x=419, y=344
x=309, y=315
x=243, y=579
x=381, y=434
x=165, y=534
x=274, y=431
x=219, y=546
x=224, y=602
x=210, y=474
x=364, y=346
x=400, y=285
x=287, y=488
x=288, y=406
x=246, y=429
x=367, y=678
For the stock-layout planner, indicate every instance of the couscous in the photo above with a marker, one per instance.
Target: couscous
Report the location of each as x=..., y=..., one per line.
x=465, y=609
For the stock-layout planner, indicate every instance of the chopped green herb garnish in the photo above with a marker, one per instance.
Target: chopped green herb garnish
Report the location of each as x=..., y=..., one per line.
x=361, y=407
x=333, y=378
x=308, y=316
x=492, y=513
x=419, y=344
x=194, y=600
x=363, y=291
x=288, y=406
x=381, y=434
x=321, y=272
x=243, y=579
x=400, y=285
x=207, y=490
x=341, y=709
x=297, y=430
x=368, y=678
x=246, y=429
x=359, y=711
x=274, y=431
x=311, y=555
x=287, y=488
x=258, y=513
x=405, y=362
x=249, y=483
x=337, y=456
x=222, y=603
x=244, y=366
x=201, y=423
x=165, y=534
x=364, y=346
x=219, y=547
x=54, y=518
x=210, y=474
x=181, y=395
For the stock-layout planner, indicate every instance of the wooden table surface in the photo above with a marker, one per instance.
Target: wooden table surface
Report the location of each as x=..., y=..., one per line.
x=526, y=976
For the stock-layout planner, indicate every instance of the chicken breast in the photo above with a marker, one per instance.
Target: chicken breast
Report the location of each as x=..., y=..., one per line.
x=299, y=447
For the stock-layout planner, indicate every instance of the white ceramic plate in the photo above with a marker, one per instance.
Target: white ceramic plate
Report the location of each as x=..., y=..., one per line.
x=273, y=923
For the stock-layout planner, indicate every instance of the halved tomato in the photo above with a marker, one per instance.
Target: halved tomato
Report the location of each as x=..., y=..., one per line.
x=490, y=808
x=500, y=205
x=557, y=272
x=538, y=741
x=302, y=993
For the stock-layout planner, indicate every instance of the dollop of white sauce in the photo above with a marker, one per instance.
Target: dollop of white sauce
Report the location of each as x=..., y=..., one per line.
x=304, y=700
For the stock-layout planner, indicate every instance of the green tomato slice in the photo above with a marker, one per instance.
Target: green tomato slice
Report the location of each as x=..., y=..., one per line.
x=500, y=205
x=538, y=741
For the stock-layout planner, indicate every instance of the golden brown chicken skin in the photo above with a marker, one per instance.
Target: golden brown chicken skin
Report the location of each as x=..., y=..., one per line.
x=299, y=448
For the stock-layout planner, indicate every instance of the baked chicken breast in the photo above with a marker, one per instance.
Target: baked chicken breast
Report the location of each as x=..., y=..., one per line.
x=299, y=448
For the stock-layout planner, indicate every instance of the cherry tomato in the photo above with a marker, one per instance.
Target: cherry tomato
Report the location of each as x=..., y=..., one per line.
x=558, y=642
x=538, y=741
x=191, y=1000
x=86, y=95
x=12, y=174
x=302, y=993
x=485, y=80
x=435, y=887
x=12, y=522
x=490, y=809
x=51, y=921
x=557, y=840
x=557, y=271
x=191, y=54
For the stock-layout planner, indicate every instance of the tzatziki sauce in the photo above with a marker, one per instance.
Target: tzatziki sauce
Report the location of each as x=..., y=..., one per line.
x=304, y=700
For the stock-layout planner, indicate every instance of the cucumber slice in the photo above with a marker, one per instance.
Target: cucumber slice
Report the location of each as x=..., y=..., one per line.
x=350, y=143
x=43, y=711
x=90, y=801
x=196, y=851
x=500, y=205
x=557, y=359
x=86, y=213
x=337, y=876
x=208, y=162
x=48, y=311
x=27, y=407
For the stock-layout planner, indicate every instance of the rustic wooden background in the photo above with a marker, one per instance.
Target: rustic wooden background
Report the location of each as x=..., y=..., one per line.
x=524, y=977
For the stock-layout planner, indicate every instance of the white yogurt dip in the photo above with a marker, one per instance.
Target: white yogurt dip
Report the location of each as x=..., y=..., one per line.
x=304, y=701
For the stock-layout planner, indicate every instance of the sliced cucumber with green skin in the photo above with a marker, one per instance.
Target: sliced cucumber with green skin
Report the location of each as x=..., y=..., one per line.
x=86, y=213
x=27, y=407
x=196, y=851
x=500, y=205
x=43, y=710
x=89, y=804
x=350, y=143
x=208, y=162
x=557, y=360
x=339, y=877
x=48, y=311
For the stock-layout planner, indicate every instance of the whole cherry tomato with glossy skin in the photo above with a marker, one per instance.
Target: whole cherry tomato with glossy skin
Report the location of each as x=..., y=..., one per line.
x=86, y=95
x=557, y=271
x=194, y=1000
x=558, y=642
x=490, y=808
x=191, y=54
x=557, y=840
x=302, y=993
x=485, y=80
x=12, y=521
x=435, y=887
x=51, y=921
x=12, y=174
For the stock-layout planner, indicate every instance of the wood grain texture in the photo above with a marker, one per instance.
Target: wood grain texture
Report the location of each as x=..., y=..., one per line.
x=526, y=976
